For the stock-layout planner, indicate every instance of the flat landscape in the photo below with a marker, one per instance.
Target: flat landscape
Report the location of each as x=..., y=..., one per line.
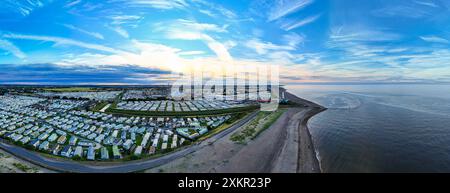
x=81, y=130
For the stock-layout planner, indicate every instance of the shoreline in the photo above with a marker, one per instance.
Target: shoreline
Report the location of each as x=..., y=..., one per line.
x=308, y=160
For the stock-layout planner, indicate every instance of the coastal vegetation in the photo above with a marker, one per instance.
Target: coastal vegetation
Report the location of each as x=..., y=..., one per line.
x=259, y=124
x=24, y=168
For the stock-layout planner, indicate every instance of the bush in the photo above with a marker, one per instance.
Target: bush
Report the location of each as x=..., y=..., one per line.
x=76, y=158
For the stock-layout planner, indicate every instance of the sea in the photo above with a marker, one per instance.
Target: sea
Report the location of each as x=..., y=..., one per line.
x=380, y=127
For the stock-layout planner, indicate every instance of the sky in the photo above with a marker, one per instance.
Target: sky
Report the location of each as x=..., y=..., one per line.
x=150, y=41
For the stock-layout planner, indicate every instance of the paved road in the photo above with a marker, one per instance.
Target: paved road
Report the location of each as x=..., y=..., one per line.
x=70, y=166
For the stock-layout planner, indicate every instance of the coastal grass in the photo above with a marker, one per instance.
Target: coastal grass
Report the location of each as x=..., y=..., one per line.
x=236, y=118
x=24, y=167
x=261, y=122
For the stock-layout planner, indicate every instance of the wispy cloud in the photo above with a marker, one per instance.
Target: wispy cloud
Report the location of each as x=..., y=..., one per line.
x=293, y=25
x=159, y=4
x=435, y=39
x=121, y=32
x=92, y=34
x=345, y=34
x=406, y=9
x=218, y=48
x=72, y=3
x=211, y=9
x=190, y=30
x=283, y=8
x=125, y=19
x=293, y=39
x=207, y=12
x=63, y=41
x=262, y=47
x=190, y=25
x=11, y=48
x=148, y=55
x=426, y=3
x=24, y=7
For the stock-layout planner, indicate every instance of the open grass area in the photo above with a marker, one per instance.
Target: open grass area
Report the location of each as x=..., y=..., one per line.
x=261, y=122
x=70, y=89
x=99, y=106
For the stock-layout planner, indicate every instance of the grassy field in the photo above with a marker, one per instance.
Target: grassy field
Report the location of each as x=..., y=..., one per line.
x=262, y=121
x=70, y=89
x=99, y=106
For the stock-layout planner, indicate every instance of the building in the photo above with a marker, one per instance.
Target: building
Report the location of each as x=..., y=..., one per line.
x=78, y=151
x=56, y=150
x=91, y=153
x=67, y=150
x=104, y=153
x=62, y=139
x=73, y=140
x=152, y=150
x=116, y=152
x=52, y=137
x=35, y=143
x=44, y=146
x=138, y=151
x=25, y=140
x=127, y=145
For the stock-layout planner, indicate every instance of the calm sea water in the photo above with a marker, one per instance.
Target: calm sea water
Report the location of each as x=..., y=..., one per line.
x=381, y=128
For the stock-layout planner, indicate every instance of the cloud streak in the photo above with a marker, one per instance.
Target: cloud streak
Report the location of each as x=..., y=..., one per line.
x=435, y=39
x=11, y=48
x=294, y=25
x=264, y=47
x=283, y=8
x=92, y=34
x=159, y=4
x=63, y=41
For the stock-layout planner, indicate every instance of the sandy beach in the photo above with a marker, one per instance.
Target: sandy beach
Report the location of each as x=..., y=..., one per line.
x=285, y=147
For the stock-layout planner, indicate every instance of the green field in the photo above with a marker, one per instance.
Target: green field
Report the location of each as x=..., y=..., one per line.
x=99, y=106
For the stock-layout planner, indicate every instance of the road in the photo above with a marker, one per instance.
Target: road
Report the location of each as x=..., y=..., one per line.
x=70, y=166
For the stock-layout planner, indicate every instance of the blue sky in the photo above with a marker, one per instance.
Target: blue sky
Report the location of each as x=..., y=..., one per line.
x=143, y=41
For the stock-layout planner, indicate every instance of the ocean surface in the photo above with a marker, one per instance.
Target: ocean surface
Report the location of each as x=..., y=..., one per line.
x=380, y=128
